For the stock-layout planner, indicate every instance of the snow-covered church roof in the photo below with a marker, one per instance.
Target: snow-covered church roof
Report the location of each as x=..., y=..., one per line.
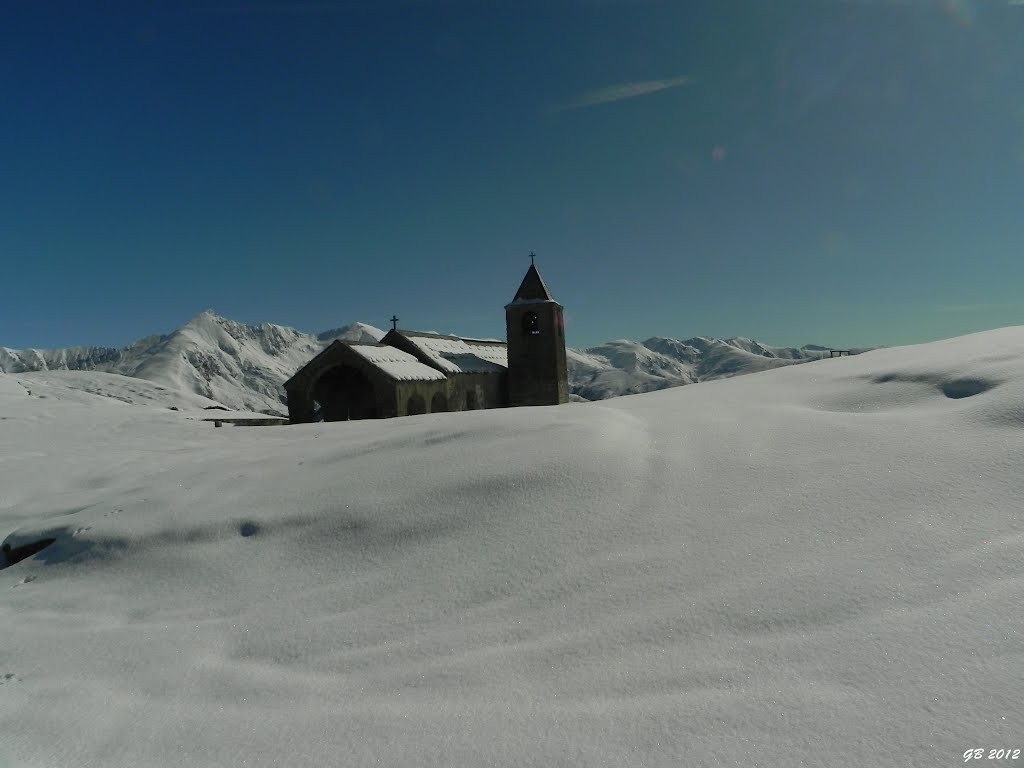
x=395, y=363
x=453, y=354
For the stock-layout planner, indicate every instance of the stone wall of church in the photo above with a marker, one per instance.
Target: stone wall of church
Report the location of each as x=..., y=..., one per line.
x=476, y=391
x=414, y=397
x=461, y=392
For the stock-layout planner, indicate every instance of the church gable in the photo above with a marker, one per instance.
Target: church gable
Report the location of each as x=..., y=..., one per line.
x=340, y=384
x=310, y=369
x=391, y=362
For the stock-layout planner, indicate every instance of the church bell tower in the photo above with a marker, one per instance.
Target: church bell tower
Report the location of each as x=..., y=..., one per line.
x=537, y=373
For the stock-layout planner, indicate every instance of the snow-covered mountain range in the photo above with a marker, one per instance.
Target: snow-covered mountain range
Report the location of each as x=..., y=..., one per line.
x=630, y=367
x=243, y=366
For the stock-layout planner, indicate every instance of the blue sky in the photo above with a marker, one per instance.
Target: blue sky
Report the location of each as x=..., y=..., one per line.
x=836, y=172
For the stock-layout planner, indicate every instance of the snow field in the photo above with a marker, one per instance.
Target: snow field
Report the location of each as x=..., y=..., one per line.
x=815, y=565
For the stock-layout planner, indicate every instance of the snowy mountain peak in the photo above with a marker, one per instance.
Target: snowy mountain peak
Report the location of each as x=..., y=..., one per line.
x=353, y=332
x=243, y=366
x=205, y=319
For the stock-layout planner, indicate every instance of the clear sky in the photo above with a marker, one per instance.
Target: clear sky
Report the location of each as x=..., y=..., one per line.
x=796, y=171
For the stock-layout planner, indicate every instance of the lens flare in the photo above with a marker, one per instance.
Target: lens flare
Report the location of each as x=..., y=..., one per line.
x=963, y=12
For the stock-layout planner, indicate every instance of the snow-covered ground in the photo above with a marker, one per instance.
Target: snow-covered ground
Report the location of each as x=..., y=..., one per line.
x=815, y=565
x=99, y=388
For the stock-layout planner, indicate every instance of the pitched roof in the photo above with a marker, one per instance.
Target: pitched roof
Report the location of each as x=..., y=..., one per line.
x=395, y=363
x=532, y=288
x=456, y=355
x=308, y=366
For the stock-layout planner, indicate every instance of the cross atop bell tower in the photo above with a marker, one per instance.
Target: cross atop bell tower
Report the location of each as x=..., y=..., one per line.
x=537, y=372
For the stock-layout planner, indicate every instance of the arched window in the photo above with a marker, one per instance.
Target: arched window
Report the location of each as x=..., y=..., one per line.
x=531, y=324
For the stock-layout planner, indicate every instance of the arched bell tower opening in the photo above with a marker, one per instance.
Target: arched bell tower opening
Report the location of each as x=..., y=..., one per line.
x=345, y=394
x=535, y=327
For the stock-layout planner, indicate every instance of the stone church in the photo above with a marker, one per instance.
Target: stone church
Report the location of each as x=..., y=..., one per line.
x=410, y=372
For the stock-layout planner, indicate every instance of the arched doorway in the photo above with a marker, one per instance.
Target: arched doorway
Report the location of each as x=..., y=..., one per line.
x=471, y=400
x=438, y=403
x=345, y=394
x=416, y=405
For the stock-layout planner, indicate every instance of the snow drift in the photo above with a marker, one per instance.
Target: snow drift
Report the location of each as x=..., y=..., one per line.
x=814, y=565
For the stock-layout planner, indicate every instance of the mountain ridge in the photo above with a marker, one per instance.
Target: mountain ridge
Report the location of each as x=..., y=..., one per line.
x=243, y=366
